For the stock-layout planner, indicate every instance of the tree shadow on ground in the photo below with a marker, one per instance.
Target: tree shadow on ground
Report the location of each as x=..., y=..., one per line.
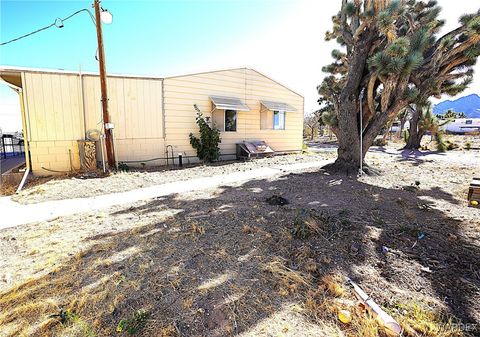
x=204, y=271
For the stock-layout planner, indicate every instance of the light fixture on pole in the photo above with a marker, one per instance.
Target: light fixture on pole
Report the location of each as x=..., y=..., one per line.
x=106, y=16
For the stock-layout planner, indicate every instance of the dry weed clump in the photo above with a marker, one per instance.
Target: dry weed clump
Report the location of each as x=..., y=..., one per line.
x=331, y=297
x=285, y=274
x=309, y=222
x=421, y=319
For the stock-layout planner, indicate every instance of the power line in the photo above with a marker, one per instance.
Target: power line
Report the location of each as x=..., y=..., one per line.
x=57, y=23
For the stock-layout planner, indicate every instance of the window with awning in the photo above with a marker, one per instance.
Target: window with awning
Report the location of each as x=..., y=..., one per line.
x=272, y=115
x=228, y=103
x=278, y=106
x=224, y=112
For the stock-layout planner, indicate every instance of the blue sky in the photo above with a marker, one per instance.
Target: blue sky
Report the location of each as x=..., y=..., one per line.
x=282, y=38
x=146, y=37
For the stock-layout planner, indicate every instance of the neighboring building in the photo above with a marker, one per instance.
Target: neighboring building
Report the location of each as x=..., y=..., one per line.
x=151, y=115
x=463, y=125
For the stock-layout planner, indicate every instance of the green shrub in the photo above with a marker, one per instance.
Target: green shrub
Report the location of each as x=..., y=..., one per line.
x=379, y=142
x=468, y=146
x=441, y=146
x=207, y=145
x=134, y=324
x=452, y=146
x=123, y=167
x=304, y=147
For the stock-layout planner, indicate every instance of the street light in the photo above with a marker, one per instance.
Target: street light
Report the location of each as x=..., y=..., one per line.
x=101, y=15
x=106, y=16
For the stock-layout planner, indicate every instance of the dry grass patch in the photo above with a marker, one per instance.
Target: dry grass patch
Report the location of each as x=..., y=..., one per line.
x=429, y=321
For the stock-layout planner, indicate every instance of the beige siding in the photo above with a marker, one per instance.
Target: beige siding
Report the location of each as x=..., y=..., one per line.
x=135, y=106
x=61, y=107
x=250, y=86
x=58, y=117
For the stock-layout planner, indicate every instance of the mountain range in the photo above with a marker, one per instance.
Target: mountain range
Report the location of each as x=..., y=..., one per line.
x=470, y=105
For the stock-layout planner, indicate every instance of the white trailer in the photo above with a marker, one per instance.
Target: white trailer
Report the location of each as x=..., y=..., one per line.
x=463, y=125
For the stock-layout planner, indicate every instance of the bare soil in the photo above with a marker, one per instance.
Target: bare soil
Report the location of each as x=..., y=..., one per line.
x=224, y=262
x=74, y=186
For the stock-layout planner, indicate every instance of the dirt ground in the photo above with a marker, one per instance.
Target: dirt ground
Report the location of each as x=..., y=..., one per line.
x=64, y=187
x=225, y=262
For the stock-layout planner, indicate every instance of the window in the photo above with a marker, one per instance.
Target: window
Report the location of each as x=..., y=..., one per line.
x=230, y=120
x=279, y=120
x=469, y=121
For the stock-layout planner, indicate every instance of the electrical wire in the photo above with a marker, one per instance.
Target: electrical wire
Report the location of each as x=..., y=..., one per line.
x=49, y=26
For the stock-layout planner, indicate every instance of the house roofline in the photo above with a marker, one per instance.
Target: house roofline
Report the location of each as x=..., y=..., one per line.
x=18, y=69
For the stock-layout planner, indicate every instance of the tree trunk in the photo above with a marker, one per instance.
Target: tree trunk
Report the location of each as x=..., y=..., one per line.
x=348, y=158
x=402, y=127
x=347, y=108
x=415, y=135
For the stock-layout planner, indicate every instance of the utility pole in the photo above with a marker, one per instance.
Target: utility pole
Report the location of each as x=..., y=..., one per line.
x=103, y=86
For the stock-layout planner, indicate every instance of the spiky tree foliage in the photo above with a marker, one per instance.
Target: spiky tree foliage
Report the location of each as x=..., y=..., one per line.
x=450, y=114
x=461, y=115
x=391, y=51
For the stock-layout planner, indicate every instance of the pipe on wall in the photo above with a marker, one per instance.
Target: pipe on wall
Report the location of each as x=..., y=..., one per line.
x=24, y=179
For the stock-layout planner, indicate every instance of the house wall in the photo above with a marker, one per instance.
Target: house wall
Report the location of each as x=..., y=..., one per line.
x=57, y=116
x=135, y=106
x=54, y=120
x=61, y=107
x=182, y=92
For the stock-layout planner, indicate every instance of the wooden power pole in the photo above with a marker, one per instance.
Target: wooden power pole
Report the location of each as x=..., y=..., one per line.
x=103, y=86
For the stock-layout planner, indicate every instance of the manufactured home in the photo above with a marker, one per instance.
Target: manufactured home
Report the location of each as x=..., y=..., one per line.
x=152, y=116
x=463, y=125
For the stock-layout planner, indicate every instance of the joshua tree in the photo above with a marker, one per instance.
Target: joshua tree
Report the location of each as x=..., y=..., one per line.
x=423, y=120
x=450, y=114
x=461, y=115
x=392, y=53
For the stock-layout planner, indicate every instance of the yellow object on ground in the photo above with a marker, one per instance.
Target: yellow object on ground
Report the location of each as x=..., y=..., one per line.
x=345, y=316
x=474, y=203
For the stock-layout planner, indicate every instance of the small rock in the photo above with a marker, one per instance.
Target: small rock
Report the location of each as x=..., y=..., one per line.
x=326, y=259
x=410, y=188
x=354, y=248
x=277, y=200
x=452, y=237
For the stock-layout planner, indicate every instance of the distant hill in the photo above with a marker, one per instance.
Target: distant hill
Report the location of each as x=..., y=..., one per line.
x=470, y=105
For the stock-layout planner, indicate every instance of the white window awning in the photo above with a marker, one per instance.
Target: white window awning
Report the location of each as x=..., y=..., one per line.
x=278, y=106
x=229, y=103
